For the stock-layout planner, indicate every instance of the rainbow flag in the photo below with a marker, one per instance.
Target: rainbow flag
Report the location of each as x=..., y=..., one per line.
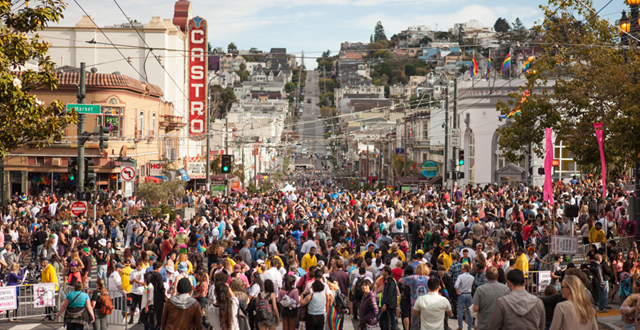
x=517, y=110
x=474, y=68
x=506, y=64
x=527, y=63
x=488, y=66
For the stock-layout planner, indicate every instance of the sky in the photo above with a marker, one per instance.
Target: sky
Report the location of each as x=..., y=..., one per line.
x=314, y=26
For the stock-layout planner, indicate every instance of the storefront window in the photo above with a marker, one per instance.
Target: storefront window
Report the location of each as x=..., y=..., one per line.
x=113, y=120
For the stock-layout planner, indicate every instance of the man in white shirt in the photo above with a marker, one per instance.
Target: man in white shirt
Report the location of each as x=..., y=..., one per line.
x=432, y=307
x=274, y=274
x=397, y=225
x=463, y=289
x=310, y=243
x=115, y=283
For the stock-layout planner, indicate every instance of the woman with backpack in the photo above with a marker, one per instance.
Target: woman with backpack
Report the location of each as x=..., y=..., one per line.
x=289, y=299
x=78, y=309
x=266, y=320
x=98, y=297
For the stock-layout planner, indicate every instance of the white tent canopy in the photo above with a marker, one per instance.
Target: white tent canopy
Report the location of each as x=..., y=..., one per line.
x=288, y=188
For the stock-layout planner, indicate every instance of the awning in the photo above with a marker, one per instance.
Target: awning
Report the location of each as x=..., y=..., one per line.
x=436, y=180
x=152, y=179
x=236, y=190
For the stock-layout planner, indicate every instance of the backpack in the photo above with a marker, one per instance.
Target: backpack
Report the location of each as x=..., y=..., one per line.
x=358, y=288
x=288, y=301
x=630, y=227
x=263, y=311
x=106, y=304
x=341, y=303
x=398, y=224
x=626, y=288
x=593, y=206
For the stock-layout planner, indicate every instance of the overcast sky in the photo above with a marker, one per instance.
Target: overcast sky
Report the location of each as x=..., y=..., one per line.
x=317, y=25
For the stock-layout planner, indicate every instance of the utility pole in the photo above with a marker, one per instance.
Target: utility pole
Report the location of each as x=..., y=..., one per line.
x=226, y=147
x=404, y=139
x=297, y=107
x=82, y=92
x=446, y=132
x=207, y=161
x=455, y=126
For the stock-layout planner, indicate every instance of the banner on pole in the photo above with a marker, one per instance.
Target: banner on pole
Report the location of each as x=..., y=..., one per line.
x=44, y=295
x=564, y=245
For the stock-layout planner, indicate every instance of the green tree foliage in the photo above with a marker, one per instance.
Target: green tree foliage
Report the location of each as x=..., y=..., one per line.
x=231, y=48
x=327, y=53
x=289, y=87
x=384, y=68
x=501, y=25
x=445, y=35
x=410, y=70
x=326, y=99
x=329, y=83
x=26, y=121
x=155, y=193
x=398, y=165
x=575, y=87
x=378, y=33
x=425, y=41
x=221, y=98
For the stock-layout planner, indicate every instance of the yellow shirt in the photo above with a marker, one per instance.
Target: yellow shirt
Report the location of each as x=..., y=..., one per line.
x=49, y=275
x=268, y=262
x=344, y=255
x=446, y=258
x=401, y=255
x=597, y=236
x=522, y=263
x=126, y=273
x=308, y=261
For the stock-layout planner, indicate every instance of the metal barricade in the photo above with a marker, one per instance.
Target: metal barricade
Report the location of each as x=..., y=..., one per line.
x=26, y=301
x=118, y=317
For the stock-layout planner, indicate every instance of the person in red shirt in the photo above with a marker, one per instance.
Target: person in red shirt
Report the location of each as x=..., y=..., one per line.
x=397, y=272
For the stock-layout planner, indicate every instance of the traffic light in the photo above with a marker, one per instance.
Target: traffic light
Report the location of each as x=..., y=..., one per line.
x=226, y=163
x=104, y=137
x=461, y=157
x=72, y=169
x=89, y=175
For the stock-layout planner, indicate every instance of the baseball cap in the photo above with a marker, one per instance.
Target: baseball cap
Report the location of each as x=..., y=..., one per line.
x=119, y=265
x=102, y=242
x=183, y=267
x=85, y=249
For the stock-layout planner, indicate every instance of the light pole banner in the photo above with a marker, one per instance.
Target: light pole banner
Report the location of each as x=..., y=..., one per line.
x=548, y=165
x=197, y=36
x=598, y=128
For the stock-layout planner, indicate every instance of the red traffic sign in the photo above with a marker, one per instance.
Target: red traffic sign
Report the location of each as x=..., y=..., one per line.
x=78, y=207
x=128, y=173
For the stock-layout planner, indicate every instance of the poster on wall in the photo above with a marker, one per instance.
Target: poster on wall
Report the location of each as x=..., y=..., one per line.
x=44, y=294
x=8, y=298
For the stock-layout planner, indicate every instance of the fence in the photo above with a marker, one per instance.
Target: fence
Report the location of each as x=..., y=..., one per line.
x=623, y=244
x=118, y=318
x=29, y=301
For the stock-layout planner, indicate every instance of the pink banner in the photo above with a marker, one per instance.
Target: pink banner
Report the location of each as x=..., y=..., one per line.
x=548, y=168
x=598, y=128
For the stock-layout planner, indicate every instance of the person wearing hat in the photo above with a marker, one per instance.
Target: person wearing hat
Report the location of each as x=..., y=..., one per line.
x=183, y=272
x=445, y=256
x=394, y=248
x=102, y=257
x=182, y=312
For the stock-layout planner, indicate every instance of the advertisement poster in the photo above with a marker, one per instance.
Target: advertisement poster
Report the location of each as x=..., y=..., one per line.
x=44, y=295
x=8, y=298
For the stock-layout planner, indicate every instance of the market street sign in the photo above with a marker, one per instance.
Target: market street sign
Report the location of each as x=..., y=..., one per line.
x=85, y=108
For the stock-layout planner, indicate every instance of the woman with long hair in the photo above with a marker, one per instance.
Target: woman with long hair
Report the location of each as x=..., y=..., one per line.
x=13, y=279
x=238, y=286
x=101, y=290
x=576, y=312
x=24, y=242
x=290, y=311
x=224, y=312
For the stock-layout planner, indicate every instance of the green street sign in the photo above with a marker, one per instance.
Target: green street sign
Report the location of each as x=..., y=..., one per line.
x=85, y=108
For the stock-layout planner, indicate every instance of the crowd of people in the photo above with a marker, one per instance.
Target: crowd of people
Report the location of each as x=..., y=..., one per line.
x=320, y=256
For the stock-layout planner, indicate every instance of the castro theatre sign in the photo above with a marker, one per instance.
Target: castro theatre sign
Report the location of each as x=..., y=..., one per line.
x=197, y=77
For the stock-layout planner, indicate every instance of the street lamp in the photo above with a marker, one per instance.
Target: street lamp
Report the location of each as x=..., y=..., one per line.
x=625, y=26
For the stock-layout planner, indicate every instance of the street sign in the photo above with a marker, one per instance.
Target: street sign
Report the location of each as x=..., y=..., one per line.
x=85, y=108
x=455, y=132
x=128, y=173
x=455, y=141
x=78, y=208
x=564, y=245
x=399, y=151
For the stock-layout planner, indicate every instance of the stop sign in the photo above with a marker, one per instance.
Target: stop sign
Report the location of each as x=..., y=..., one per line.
x=78, y=207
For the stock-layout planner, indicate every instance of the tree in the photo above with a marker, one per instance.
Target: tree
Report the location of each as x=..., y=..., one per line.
x=501, y=25
x=328, y=82
x=409, y=70
x=384, y=68
x=326, y=99
x=231, y=48
x=445, y=35
x=378, y=34
x=573, y=88
x=222, y=97
x=425, y=41
x=289, y=87
x=26, y=121
x=327, y=53
x=328, y=111
x=155, y=193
